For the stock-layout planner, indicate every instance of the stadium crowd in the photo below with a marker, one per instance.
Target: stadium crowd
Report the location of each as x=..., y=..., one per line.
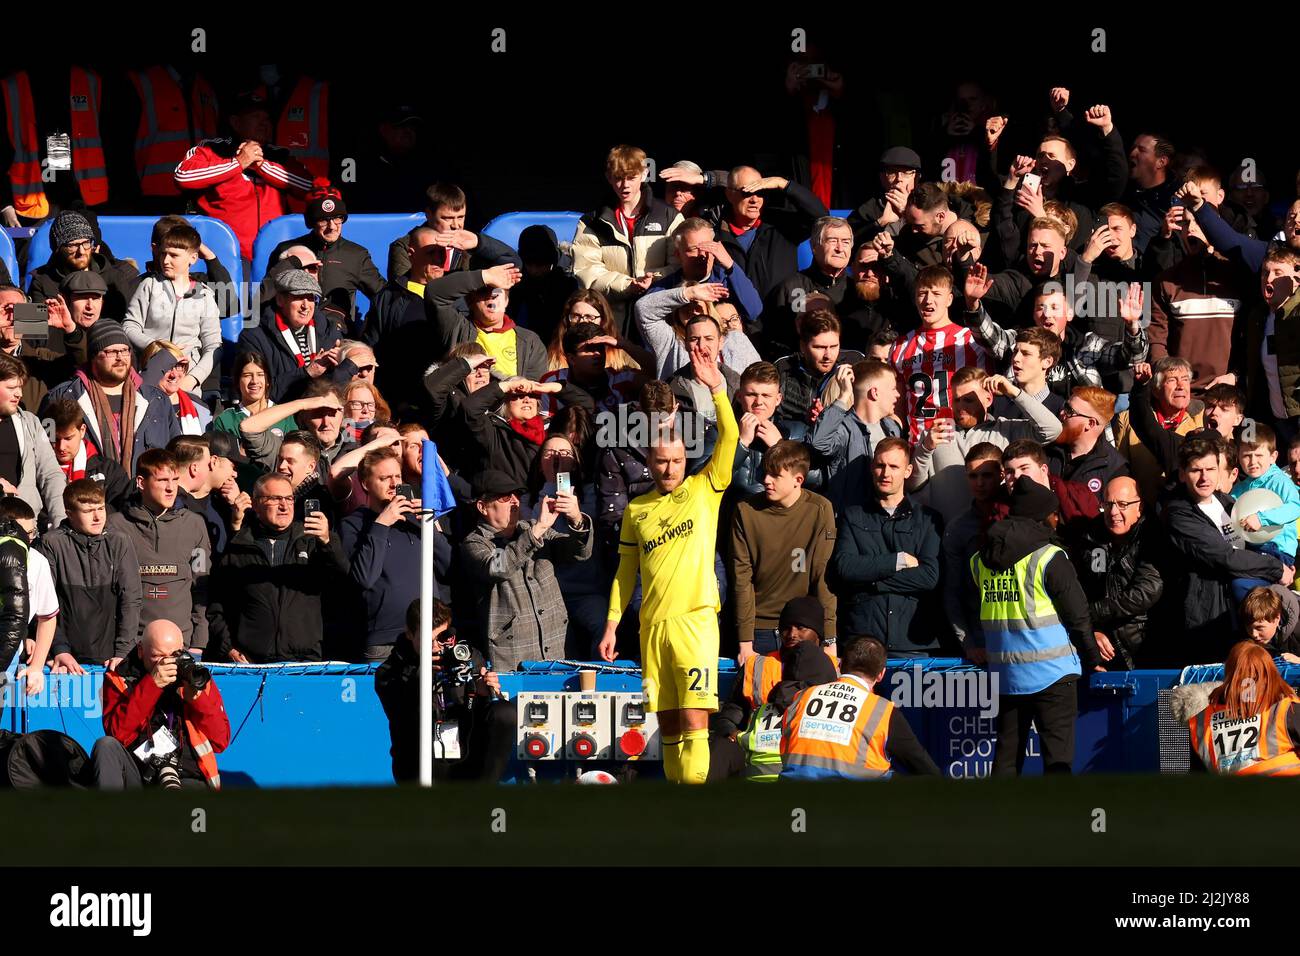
x=1005, y=414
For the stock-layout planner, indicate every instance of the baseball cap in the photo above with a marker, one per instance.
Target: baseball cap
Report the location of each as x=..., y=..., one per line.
x=401, y=115
x=225, y=445
x=249, y=100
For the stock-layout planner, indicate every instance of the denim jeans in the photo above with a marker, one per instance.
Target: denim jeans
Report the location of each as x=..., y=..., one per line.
x=766, y=640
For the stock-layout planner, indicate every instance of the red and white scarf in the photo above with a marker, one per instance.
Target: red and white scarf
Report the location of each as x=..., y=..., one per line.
x=188, y=414
x=76, y=469
x=291, y=340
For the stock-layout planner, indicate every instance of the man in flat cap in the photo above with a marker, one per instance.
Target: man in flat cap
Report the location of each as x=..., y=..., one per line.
x=294, y=336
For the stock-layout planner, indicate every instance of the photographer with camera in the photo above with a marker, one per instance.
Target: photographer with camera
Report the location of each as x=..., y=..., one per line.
x=164, y=718
x=474, y=730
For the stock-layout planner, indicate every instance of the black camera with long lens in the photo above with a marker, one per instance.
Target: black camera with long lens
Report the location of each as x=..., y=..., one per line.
x=455, y=661
x=190, y=673
x=166, y=771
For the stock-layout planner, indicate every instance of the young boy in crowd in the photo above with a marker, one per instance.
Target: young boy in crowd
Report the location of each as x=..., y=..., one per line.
x=173, y=307
x=97, y=578
x=1269, y=616
x=1257, y=458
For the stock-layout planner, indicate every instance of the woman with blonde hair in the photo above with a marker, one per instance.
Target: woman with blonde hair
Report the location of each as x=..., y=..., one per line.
x=1251, y=724
x=170, y=371
x=588, y=305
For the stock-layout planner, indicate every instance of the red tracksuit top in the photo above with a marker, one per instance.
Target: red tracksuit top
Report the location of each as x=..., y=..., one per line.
x=245, y=200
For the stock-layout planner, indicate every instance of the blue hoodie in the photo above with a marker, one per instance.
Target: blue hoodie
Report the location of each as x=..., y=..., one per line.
x=1278, y=482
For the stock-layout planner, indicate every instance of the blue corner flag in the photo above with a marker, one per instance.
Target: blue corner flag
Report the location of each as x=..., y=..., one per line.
x=436, y=493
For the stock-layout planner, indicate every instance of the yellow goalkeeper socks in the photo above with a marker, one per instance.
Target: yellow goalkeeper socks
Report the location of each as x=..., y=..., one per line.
x=672, y=749
x=695, y=757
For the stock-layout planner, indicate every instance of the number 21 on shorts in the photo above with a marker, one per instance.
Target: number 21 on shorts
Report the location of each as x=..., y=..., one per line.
x=699, y=677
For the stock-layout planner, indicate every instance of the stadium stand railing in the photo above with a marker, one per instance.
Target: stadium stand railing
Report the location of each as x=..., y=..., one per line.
x=306, y=725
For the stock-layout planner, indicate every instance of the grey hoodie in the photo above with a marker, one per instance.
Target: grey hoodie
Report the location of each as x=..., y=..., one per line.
x=175, y=558
x=192, y=322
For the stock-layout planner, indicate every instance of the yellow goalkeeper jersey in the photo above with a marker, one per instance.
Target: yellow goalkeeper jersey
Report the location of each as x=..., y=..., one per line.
x=672, y=538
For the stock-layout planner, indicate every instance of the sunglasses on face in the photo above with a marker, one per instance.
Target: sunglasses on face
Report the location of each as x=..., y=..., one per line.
x=1067, y=413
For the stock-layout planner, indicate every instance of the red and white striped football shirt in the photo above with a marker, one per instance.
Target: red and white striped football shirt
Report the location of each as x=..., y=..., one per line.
x=925, y=361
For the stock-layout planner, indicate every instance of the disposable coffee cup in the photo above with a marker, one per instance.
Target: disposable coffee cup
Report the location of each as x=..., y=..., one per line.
x=587, y=681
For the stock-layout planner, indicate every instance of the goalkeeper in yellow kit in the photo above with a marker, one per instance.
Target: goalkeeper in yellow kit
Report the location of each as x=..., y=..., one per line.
x=670, y=536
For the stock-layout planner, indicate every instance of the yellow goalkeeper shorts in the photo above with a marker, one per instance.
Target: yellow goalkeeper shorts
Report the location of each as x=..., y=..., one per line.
x=679, y=662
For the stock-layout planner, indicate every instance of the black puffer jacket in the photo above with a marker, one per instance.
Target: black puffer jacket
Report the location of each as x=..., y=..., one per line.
x=1121, y=578
x=623, y=475
x=13, y=589
x=779, y=322
x=272, y=612
x=799, y=387
x=444, y=385
x=404, y=345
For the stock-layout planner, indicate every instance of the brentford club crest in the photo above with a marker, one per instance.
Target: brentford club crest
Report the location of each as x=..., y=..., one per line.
x=327, y=205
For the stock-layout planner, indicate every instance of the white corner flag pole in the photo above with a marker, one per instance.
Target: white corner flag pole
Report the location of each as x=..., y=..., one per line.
x=426, y=619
